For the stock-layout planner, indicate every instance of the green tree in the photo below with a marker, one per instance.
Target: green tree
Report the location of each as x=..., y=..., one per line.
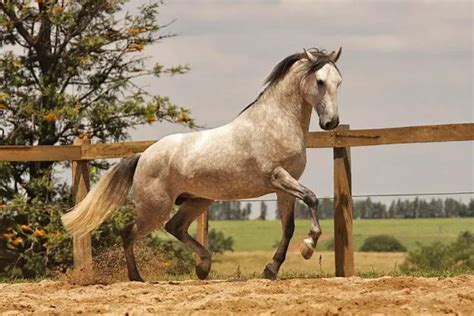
x=229, y=210
x=368, y=209
x=263, y=211
x=68, y=68
x=456, y=256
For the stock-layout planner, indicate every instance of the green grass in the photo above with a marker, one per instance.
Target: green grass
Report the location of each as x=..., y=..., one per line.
x=263, y=235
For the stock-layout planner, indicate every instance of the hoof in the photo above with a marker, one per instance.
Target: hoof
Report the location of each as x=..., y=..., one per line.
x=269, y=274
x=136, y=279
x=306, y=251
x=202, y=269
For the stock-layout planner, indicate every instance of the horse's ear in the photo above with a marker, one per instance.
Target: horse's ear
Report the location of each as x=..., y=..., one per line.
x=334, y=56
x=309, y=55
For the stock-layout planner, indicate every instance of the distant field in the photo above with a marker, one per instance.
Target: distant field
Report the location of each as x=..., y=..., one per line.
x=257, y=235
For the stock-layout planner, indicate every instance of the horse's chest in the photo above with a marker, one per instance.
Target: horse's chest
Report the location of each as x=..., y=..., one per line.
x=295, y=164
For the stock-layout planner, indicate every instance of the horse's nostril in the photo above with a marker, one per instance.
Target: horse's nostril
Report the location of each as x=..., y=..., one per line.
x=331, y=124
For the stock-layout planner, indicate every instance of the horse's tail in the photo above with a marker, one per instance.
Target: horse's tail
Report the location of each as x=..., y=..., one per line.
x=102, y=200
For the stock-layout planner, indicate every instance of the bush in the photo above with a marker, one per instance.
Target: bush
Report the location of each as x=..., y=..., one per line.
x=109, y=233
x=439, y=257
x=178, y=258
x=382, y=243
x=32, y=241
x=219, y=243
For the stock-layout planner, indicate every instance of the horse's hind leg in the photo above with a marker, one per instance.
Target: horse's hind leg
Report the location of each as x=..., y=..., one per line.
x=178, y=226
x=286, y=205
x=151, y=213
x=283, y=181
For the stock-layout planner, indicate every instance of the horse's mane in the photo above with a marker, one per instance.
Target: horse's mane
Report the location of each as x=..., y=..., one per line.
x=283, y=67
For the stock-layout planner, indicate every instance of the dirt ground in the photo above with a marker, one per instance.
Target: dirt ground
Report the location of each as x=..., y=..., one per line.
x=388, y=295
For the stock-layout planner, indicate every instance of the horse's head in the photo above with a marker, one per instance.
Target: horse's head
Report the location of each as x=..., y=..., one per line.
x=321, y=84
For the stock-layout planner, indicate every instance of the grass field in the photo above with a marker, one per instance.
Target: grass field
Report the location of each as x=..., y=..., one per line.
x=255, y=242
x=322, y=263
x=263, y=235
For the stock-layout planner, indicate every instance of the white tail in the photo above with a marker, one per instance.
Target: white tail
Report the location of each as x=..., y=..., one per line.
x=102, y=200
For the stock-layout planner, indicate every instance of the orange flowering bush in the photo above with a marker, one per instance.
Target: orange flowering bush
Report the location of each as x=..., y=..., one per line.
x=135, y=48
x=32, y=241
x=50, y=117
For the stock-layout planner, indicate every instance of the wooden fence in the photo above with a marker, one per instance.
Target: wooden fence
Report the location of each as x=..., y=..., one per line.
x=341, y=140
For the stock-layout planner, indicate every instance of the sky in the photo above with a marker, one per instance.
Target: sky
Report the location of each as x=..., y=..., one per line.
x=404, y=63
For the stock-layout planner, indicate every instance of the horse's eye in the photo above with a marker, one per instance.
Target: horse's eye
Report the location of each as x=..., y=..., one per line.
x=320, y=83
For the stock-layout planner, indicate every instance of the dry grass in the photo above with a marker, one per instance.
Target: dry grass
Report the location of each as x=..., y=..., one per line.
x=110, y=267
x=253, y=262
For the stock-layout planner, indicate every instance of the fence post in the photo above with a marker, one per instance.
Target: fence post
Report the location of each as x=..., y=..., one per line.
x=202, y=229
x=343, y=210
x=82, y=248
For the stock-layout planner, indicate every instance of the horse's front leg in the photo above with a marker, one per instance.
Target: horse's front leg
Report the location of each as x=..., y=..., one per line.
x=283, y=181
x=286, y=206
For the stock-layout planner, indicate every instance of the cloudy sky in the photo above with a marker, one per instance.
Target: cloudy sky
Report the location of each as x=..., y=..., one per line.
x=403, y=63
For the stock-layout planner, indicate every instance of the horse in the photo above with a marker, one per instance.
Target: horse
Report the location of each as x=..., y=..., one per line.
x=261, y=151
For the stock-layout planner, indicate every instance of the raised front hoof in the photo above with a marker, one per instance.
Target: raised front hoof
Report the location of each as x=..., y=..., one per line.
x=202, y=269
x=268, y=273
x=306, y=251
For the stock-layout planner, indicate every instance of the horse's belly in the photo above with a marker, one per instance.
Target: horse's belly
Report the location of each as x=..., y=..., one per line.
x=226, y=183
x=231, y=193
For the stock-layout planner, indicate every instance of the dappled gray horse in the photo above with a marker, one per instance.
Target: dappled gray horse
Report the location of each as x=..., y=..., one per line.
x=261, y=151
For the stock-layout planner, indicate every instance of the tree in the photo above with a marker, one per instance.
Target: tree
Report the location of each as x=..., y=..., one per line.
x=301, y=210
x=229, y=210
x=326, y=208
x=263, y=211
x=468, y=210
x=67, y=68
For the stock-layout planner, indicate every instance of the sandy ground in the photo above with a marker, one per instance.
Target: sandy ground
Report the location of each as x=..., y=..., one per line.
x=388, y=295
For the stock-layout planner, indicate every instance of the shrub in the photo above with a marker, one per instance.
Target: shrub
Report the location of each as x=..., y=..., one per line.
x=382, y=243
x=457, y=256
x=32, y=241
x=178, y=258
x=109, y=233
x=219, y=243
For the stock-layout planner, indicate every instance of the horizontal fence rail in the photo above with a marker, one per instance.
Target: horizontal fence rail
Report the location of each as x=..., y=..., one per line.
x=338, y=138
x=391, y=136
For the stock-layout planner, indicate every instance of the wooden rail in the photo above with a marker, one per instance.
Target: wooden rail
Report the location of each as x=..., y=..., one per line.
x=390, y=136
x=341, y=140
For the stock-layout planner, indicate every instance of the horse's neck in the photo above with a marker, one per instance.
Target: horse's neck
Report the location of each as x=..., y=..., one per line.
x=284, y=105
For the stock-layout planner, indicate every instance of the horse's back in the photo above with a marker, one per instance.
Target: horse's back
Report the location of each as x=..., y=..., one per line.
x=208, y=163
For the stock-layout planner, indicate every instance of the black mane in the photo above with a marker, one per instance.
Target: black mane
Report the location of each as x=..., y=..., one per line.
x=284, y=66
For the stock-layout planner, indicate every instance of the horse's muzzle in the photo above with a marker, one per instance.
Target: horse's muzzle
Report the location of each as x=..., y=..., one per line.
x=330, y=124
